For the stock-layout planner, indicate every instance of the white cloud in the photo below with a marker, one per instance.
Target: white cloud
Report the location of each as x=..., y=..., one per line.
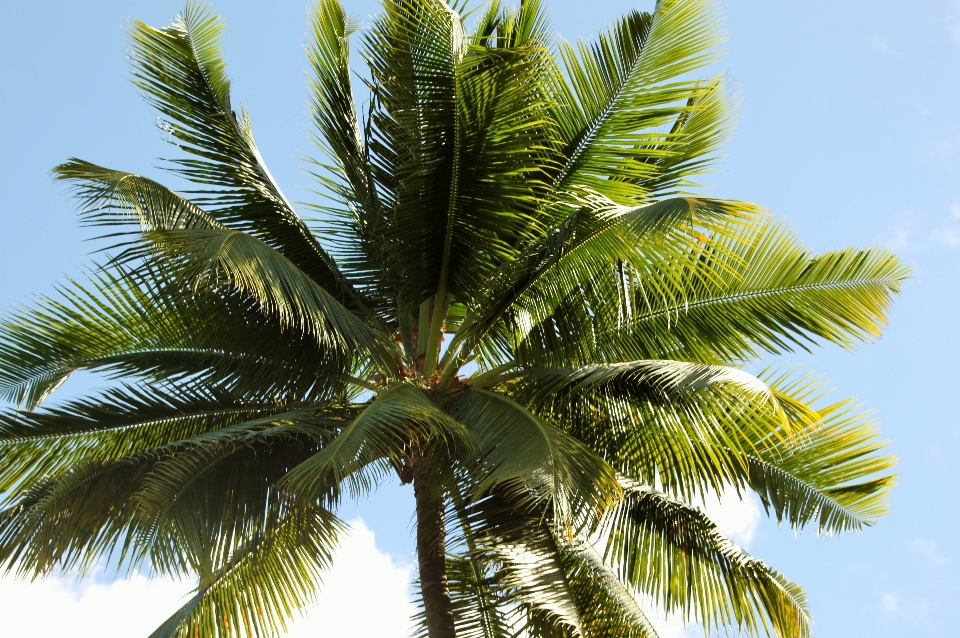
x=59, y=607
x=365, y=595
x=667, y=626
x=363, y=578
x=955, y=209
x=737, y=518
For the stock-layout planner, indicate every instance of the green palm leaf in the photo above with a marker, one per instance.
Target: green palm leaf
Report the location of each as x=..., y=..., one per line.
x=766, y=293
x=396, y=419
x=281, y=289
x=146, y=324
x=119, y=422
x=520, y=449
x=829, y=473
x=606, y=607
x=624, y=88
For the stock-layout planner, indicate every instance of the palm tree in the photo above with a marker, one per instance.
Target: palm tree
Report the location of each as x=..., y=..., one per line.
x=525, y=203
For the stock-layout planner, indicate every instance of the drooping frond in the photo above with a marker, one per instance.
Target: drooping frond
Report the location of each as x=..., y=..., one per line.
x=688, y=426
x=222, y=479
x=148, y=325
x=258, y=590
x=513, y=536
x=676, y=555
x=606, y=607
x=118, y=423
x=830, y=472
x=480, y=608
x=211, y=255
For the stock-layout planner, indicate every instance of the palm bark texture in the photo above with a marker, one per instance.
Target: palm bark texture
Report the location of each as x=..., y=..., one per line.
x=513, y=300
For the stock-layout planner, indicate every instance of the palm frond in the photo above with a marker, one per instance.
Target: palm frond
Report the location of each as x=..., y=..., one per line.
x=592, y=244
x=830, y=472
x=148, y=325
x=181, y=73
x=524, y=451
x=222, y=480
x=606, y=607
x=687, y=426
x=765, y=293
x=624, y=89
x=114, y=198
x=345, y=174
x=412, y=50
x=280, y=287
x=264, y=583
x=513, y=535
x=382, y=433
x=676, y=555
x=117, y=423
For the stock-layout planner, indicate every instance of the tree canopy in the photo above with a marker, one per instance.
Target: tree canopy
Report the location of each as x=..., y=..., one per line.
x=514, y=299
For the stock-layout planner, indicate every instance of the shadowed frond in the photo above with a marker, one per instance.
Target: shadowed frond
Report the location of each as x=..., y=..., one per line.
x=212, y=255
x=606, y=607
x=147, y=324
x=134, y=505
x=677, y=556
x=412, y=50
x=522, y=450
x=119, y=422
x=383, y=432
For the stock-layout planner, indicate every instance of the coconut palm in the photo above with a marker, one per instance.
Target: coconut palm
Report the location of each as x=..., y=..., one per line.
x=513, y=300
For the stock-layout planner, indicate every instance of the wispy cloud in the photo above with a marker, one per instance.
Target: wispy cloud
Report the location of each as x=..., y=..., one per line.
x=928, y=550
x=953, y=21
x=889, y=603
x=949, y=236
x=879, y=44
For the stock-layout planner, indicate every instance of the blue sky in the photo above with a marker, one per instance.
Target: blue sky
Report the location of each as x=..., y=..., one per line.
x=849, y=128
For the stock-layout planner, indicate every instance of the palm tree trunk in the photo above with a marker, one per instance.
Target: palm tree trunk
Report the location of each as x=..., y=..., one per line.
x=431, y=550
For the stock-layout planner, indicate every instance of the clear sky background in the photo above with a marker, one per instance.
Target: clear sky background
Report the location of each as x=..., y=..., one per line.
x=850, y=128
